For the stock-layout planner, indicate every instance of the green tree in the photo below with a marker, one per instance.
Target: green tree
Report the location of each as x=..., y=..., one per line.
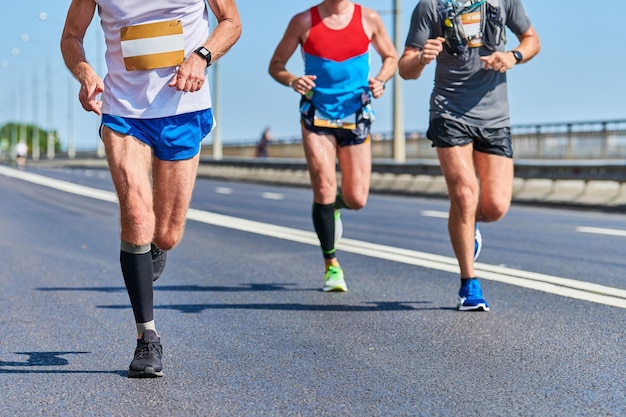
x=14, y=132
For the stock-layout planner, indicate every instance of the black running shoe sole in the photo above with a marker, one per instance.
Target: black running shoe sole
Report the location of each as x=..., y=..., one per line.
x=145, y=373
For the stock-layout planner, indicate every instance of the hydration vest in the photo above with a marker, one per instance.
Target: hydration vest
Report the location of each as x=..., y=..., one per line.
x=471, y=24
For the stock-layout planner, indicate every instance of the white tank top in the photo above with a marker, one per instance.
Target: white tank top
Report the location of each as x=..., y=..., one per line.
x=145, y=94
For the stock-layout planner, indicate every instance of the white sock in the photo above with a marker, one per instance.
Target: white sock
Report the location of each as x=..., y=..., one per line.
x=141, y=327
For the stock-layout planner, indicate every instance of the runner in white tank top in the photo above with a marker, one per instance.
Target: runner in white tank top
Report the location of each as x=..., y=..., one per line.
x=156, y=108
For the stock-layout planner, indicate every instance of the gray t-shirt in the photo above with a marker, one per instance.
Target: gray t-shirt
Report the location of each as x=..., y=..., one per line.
x=463, y=89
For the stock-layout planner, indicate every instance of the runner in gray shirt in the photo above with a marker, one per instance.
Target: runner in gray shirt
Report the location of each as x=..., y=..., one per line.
x=469, y=112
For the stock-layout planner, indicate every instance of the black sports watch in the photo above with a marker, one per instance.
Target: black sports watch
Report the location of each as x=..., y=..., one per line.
x=518, y=56
x=204, y=53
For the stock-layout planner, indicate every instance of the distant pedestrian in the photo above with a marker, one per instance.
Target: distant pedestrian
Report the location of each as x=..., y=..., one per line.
x=336, y=90
x=21, y=150
x=261, y=146
x=469, y=112
x=156, y=109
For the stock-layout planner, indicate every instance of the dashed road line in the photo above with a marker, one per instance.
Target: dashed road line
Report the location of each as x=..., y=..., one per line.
x=601, y=231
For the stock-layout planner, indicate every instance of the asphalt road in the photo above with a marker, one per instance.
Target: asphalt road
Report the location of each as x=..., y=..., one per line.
x=247, y=330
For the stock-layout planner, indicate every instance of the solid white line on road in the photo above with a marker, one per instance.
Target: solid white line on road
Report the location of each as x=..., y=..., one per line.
x=600, y=231
x=566, y=287
x=68, y=187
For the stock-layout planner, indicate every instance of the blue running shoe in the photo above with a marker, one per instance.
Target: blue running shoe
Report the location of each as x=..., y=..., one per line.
x=478, y=242
x=471, y=296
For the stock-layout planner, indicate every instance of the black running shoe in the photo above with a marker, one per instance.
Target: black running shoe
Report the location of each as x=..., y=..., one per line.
x=159, y=258
x=148, y=354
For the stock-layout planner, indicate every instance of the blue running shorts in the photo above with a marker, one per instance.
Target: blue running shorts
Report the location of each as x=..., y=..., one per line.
x=172, y=138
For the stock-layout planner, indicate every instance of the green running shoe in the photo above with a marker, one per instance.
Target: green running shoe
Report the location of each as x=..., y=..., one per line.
x=333, y=279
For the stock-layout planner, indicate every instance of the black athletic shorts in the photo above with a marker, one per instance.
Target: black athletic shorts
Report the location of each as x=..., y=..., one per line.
x=446, y=133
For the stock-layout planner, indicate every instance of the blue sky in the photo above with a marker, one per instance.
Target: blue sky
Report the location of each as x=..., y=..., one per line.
x=578, y=76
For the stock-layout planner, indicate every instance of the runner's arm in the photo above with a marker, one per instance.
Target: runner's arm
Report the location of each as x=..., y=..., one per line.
x=79, y=16
x=383, y=44
x=293, y=37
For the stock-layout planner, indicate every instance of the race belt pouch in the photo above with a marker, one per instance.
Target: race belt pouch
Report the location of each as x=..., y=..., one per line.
x=349, y=122
x=153, y=45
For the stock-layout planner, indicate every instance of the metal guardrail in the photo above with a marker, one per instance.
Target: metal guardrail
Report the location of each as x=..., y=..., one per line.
x=580, y=140
x=587, y=151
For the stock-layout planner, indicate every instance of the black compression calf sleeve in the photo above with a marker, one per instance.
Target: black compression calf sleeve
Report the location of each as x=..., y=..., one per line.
x=137, y=271
x=324, y=224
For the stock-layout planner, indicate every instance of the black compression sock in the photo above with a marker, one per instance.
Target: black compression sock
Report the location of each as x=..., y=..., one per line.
x=324, y=224
x=137, y=271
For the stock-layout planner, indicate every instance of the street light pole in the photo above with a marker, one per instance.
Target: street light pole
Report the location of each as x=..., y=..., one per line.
x=35, y=154
x=15, y=134
x=50, y=150
x=216, y=133
x=22, y=106
x=217, y=130
x=35, y=148
x=399, y=137
x=71, y=144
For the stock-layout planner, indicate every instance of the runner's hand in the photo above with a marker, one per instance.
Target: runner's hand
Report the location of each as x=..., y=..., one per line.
x=190, y=75
x=304, y=84
x=90, y=88
x=499, y=61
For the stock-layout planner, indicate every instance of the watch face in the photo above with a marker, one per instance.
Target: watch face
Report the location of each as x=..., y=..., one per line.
x=518, y=56
x=204, y=53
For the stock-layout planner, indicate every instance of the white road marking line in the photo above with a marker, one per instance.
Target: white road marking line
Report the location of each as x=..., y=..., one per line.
x=433, y=213
x=565, y=287
x=224, y=190
x=601, y=231
x=68, y=187
x=273, y=196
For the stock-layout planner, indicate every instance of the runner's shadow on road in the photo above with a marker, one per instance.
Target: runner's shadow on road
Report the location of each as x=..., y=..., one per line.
x=190, y=288
x=251, y=287
x=375, y=306
x=40, y=359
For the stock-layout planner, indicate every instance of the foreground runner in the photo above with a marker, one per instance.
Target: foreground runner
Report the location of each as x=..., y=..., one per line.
x=156, y=109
